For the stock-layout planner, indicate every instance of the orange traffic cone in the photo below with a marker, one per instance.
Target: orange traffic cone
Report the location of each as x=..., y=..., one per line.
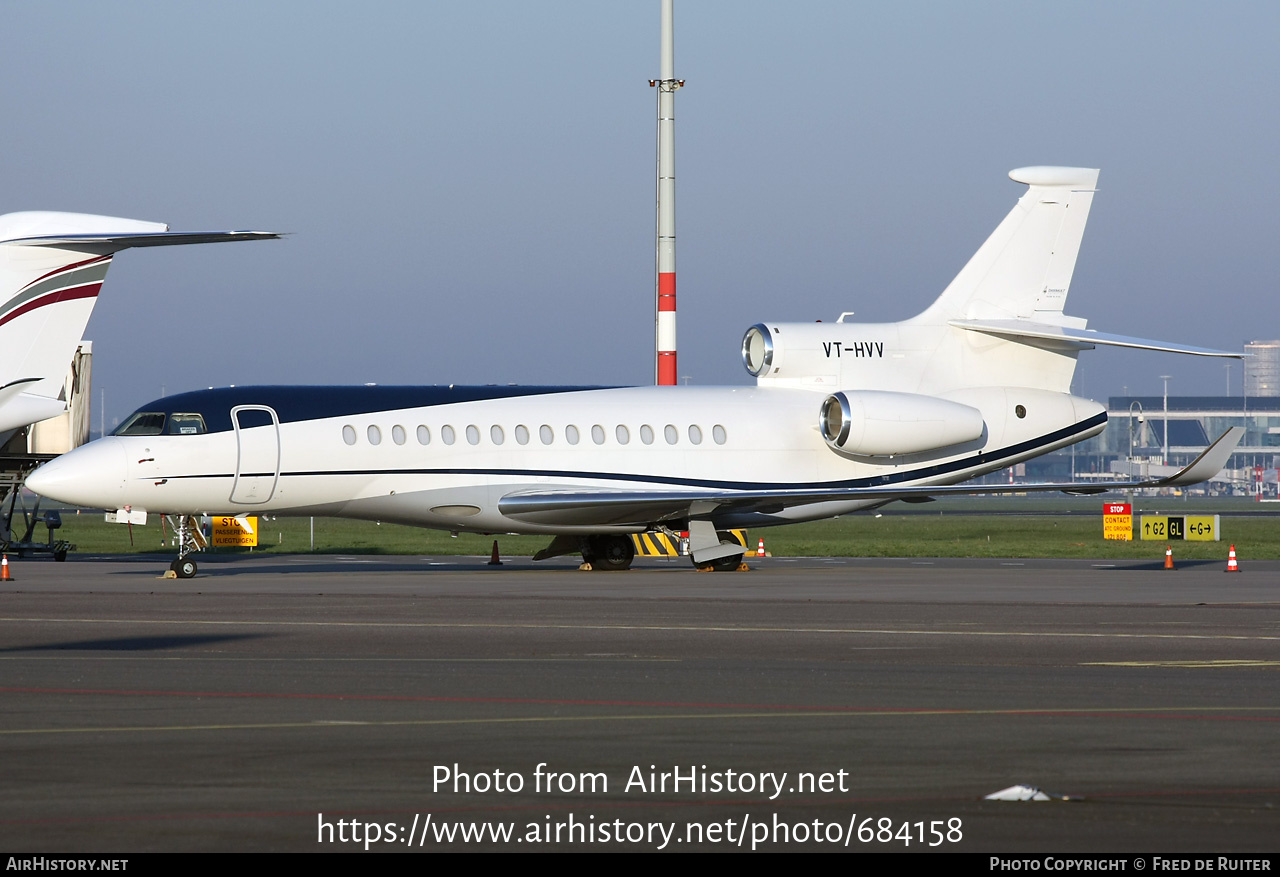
x=760, y=552
x=493, y=558
x=1168, y=558
x=4, y=570
x=1232, y=566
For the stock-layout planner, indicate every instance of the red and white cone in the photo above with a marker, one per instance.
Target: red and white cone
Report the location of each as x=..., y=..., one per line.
x=760, y=552
x=1232, y=566
x=1168, y=558
x=4, y=570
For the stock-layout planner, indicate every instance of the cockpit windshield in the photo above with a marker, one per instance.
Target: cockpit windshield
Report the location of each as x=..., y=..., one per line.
x=159, y=423
x=143, y=423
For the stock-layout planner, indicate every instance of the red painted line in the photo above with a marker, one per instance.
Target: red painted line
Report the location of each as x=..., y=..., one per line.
x=430, y=699
x=71, y=267
x=853, y=710
x=89, y=290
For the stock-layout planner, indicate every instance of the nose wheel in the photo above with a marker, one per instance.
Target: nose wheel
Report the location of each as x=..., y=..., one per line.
x=188, y=538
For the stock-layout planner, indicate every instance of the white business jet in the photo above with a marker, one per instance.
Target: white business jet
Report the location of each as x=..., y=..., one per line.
x=51, y=268
x=843, y=417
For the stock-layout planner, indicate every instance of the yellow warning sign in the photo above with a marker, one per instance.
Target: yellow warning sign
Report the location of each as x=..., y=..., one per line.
x=1117, y=521
x=1189, y=528
x=242, y=531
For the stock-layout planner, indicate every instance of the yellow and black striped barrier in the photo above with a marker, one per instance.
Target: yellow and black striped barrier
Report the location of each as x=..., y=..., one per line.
x=662, y=545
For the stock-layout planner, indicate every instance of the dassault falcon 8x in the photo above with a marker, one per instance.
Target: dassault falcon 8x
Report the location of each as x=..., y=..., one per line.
x=843, y=417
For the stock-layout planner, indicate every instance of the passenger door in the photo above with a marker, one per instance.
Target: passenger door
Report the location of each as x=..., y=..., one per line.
x=257, y=429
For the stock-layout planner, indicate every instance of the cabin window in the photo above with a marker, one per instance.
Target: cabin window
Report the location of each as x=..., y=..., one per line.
x=143, y=423
x=646, y=434
x=397, y=434
x=718, y=433
x=375, y=435
x=547, y=434
x=571, y=434
x=446, y=434
x=671, y=434
x=496, y=435
x=473, y=434
x=597, y=434
x=522, y=434
x=349, y=434
x=695, y=435
x=623, y=434
x=424, y=435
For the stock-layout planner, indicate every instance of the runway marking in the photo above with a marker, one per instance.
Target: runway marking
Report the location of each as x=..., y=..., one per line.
x=151, y=657
x=786, y=708
x=1225, y=662
x=671, y=628
x=1151, y=712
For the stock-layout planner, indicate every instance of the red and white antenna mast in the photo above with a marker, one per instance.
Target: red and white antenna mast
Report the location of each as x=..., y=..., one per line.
x=665, y=314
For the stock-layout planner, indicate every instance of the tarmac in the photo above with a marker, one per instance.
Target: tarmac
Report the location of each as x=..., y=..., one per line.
x=429, y=703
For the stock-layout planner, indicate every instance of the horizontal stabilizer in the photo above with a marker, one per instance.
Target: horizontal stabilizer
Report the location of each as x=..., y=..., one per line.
x=649, y=507
x=116, y=242
x=1079, y=339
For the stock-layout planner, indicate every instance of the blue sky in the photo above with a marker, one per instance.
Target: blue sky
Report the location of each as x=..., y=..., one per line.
x=469, y=187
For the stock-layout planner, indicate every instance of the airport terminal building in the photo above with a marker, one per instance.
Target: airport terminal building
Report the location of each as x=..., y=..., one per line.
x=1135, y=443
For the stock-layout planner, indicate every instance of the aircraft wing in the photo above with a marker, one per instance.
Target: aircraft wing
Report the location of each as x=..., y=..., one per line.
x=115, y=242
x=647, y=507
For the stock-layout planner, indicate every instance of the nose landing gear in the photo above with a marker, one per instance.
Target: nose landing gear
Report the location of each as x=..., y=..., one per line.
x=189, y=538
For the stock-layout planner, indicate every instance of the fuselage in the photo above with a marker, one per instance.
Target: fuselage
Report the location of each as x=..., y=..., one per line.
x=445, y=457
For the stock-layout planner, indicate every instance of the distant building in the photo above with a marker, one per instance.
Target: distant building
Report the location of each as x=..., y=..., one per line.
x=1262, y=368
x=1193, y=422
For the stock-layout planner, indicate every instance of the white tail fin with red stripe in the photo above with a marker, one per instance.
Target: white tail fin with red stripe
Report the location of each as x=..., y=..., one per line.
x=52, y=266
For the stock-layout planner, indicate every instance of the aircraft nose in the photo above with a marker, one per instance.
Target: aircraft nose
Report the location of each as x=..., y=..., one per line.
x=92, y=476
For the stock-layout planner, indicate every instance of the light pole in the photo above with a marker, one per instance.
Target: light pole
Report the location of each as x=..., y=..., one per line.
x=1133, y=405
x=1164, y=458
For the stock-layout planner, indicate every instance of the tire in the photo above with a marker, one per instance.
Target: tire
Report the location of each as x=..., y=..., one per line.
x=184, y=568
x=610, y=552
x=727, y=564
x=59, y=556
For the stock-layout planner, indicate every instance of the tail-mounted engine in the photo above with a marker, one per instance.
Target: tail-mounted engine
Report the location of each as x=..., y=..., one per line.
x=874, y=423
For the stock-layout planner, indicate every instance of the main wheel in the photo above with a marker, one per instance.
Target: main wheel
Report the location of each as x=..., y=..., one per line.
x=184, y=568
x=609, y=552
x=725, y=564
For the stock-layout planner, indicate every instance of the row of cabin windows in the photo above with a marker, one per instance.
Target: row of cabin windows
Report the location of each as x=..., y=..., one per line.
x=547, y=435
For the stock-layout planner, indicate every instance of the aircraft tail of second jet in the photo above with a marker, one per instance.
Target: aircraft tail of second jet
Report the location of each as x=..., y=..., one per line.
x=52, y=266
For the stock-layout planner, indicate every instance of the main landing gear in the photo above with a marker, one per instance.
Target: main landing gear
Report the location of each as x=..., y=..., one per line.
x=616, y=551
x=612, y=552
x=189, y=538
x=732, y=563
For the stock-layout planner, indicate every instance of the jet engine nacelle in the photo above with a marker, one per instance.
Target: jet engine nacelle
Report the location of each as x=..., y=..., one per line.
x=875, y=423
x=831, y=355
x=801, y=350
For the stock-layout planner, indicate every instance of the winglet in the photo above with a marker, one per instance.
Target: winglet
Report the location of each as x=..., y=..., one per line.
x=1209, y=463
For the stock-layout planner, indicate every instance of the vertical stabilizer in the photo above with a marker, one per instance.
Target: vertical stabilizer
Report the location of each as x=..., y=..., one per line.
x=1023, y=271
x=52, y=266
